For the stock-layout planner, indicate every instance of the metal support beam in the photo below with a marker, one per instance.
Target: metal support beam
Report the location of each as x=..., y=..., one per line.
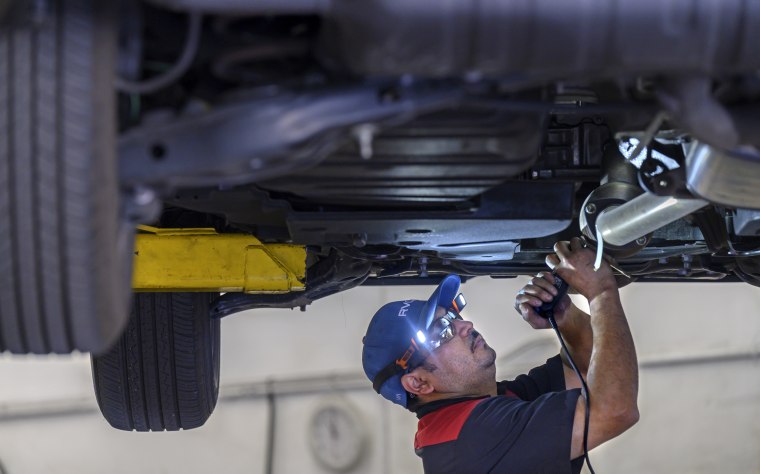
x=204, y=260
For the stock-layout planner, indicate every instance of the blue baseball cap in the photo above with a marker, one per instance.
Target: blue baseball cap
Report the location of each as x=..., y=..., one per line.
x=392, y=330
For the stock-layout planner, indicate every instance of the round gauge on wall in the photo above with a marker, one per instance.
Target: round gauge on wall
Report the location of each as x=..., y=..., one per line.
x=337, y=435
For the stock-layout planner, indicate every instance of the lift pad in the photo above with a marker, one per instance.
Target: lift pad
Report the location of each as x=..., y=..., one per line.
x=204, y=260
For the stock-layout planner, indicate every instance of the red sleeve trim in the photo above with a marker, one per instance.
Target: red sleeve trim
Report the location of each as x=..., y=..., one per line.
x=443, y=425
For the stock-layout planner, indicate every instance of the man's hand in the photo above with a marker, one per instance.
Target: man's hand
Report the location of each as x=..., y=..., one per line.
x=571, y=320
x=540, y=289
x=575, y=264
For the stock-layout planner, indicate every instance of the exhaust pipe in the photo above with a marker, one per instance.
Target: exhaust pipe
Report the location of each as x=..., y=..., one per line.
x=730, y=178
x=638, y=217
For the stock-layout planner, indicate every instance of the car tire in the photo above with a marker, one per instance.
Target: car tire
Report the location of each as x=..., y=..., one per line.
x=163, y=374
x=65, y=257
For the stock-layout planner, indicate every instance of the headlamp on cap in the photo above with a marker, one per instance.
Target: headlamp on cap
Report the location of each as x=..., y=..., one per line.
x=439, y=331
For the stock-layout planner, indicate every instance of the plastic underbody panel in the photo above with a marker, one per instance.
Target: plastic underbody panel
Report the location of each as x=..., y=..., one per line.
x=440, y=184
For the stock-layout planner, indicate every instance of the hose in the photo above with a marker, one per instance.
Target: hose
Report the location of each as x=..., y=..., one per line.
x=148, y=86
x=584, y=389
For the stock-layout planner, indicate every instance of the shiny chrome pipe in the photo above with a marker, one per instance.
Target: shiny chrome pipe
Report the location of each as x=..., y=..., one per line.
x=638, y=217
x=730, y=178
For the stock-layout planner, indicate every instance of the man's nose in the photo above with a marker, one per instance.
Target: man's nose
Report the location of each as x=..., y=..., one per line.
x=463, y=327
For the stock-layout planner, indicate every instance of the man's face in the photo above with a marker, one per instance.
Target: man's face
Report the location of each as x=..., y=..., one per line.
x=465, y=361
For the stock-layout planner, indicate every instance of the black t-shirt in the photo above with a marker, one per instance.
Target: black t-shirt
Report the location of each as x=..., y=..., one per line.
x=526, y=428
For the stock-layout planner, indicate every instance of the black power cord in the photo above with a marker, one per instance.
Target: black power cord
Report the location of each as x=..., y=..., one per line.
x=553, y=322
x=546, y=310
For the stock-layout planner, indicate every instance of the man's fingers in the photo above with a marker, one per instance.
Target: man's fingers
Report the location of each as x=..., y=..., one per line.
x=552, y=260
x=572, y=253
x=545, y=281
x=529, y=314
x=576, y=244
x=533, y=295
x=562, y=250
x=547, y=276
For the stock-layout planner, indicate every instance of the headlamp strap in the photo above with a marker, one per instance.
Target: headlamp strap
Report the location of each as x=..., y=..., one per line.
x=396, y=367
x=388, y=371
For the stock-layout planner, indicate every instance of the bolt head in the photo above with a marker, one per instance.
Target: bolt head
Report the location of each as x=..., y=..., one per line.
x=144, y=196
x=591, y=208
x=641, y=241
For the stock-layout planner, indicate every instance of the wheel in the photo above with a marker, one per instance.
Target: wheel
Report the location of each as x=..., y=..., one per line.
x=163, y=374
x=64, y=251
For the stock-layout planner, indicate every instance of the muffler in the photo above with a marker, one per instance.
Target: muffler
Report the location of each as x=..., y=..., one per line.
x=621, y=216
x=621, y=225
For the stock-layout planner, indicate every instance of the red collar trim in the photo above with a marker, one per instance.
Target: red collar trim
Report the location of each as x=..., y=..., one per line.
x=444, y=424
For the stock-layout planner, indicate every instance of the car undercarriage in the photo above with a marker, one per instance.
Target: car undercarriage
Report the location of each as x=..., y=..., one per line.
x=394, y=142
x=452, y=153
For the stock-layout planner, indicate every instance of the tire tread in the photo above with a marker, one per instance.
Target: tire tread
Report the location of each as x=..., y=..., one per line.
x=62, y=282
x=159, y=377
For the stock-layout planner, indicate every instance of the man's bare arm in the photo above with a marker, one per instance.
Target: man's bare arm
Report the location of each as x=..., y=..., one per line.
x=578, y=335
x=613, y=368
x=612, y=377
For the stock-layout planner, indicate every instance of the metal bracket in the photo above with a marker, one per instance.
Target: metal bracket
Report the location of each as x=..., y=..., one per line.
x=203, y=260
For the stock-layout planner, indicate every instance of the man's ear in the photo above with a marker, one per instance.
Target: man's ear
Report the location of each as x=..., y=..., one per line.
x=415, y=383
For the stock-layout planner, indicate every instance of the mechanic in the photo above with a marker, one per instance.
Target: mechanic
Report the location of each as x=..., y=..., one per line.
x=423, y=356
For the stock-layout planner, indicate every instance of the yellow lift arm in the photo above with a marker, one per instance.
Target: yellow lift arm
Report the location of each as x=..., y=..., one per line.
x=205, y=260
